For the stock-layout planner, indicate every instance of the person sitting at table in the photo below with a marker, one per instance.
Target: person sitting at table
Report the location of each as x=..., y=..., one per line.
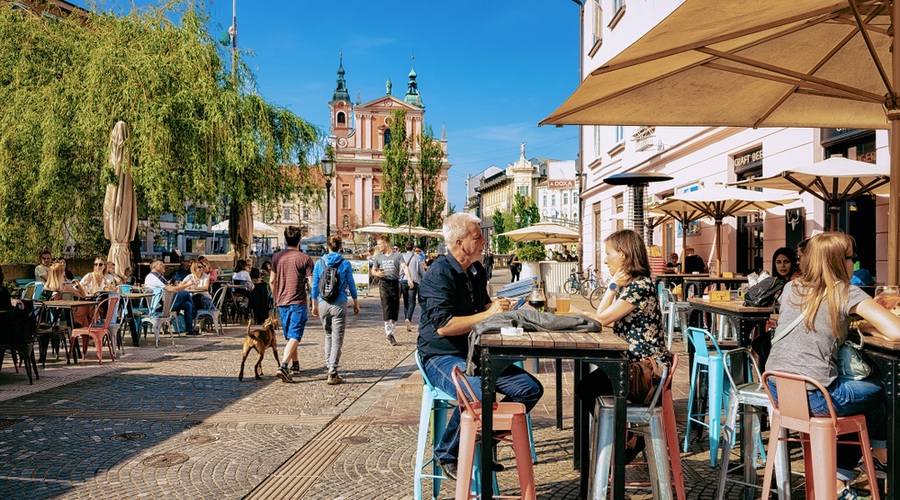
x=213, y=272
x=631, y=306
x=673, y=266
x=182, y=301
x=182, y=272
x=826, y=299
x=454, y=297
x=69, y=277
x=242, y=273
x=265, y=271
x=199, y=283
x=784, y=264
x=98, y=280
x=693, y=263
x=113, y=275
x=43, y=267
x=57, y=285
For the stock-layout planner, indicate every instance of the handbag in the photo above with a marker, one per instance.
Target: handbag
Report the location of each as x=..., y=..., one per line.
x=764, y=293
x=644, y=377
x=851, y=364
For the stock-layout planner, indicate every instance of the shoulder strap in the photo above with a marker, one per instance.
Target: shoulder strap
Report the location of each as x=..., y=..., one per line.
x=788, y=330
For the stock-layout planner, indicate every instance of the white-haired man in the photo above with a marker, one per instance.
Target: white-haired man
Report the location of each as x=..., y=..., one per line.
x=454, y=298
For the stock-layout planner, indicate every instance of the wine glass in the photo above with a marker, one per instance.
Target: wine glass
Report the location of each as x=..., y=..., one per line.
x=888, y=297
x=537, y=299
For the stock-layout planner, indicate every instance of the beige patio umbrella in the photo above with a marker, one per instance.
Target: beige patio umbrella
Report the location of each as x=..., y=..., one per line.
x=545, y=232
x=753, y=63
x=120, y=204
x=684, y=215
x=718, y=202
x=834, y=181
x=259, y=228
x=377, y=228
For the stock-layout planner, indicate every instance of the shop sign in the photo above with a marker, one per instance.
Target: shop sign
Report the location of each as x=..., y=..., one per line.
x=561, y=184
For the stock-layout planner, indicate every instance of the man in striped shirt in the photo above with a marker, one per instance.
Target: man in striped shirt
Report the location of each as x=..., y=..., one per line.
x=291, y=269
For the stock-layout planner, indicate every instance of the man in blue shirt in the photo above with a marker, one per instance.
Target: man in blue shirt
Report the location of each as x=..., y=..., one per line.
x=334, y=313
x=454, y=298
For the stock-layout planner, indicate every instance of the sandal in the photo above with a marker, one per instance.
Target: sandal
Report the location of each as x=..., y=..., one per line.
x=847, y=494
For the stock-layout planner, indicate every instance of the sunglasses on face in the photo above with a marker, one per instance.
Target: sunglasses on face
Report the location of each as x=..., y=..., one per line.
x=98, y=264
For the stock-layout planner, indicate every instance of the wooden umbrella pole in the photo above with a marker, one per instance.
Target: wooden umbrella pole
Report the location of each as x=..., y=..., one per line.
x=718, y=247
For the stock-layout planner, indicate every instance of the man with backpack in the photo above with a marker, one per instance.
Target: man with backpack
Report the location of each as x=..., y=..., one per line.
x=332, y=276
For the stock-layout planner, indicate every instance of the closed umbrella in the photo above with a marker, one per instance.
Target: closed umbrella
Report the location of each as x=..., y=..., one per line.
x=240, y=231
x=120, y=204
x=752, y=63
x=545, y=232
x=719, y=202
x=834, y=181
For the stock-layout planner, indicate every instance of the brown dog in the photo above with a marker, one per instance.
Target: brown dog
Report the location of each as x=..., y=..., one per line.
x=260, y=340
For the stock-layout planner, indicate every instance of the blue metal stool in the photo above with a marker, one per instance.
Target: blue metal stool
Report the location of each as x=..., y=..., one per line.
x=712, y=364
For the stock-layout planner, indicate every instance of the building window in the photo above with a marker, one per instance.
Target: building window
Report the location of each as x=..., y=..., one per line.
x=377, y=202
x=598, y=23
x=286, y=214
x=545, y=200
x=341, y=118
x=345, y=201
x=553, y=200
x=620, y=133
x=523, y=190
x=565, y=199
x=346, y=222
x=618, y=5
x=387, y=138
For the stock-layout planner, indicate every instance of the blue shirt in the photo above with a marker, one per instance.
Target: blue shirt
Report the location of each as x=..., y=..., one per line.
x=346, y=273
x=447, y=291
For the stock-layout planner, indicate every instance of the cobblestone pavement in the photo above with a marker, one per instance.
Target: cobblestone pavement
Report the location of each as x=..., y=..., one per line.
x=174, y=422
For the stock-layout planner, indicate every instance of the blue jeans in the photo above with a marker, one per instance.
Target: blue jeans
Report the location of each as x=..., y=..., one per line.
x=409, y=299
x=515, y=383
x=851, y=397
x=184, y=302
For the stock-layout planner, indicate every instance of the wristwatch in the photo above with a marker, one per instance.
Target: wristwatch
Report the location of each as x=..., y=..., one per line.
x=612, y=286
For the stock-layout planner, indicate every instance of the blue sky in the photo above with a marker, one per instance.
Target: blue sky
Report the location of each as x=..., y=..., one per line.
x=487, y=70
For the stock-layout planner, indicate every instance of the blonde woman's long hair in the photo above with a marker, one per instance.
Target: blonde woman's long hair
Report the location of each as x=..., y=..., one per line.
x=825, y=278
x=56, y=277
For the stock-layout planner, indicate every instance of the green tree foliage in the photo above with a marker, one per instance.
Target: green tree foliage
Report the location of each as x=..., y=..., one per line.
x=396, y=173
x=431, y=200
x=198, y=138
x=503, y=222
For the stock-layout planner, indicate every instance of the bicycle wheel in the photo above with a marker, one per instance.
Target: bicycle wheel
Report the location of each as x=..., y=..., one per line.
x=570, y=287
x=586, y=288
x=596, y=295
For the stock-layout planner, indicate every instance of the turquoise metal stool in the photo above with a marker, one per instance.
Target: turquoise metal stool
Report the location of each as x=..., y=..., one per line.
x=433, y=420
x=712, y=364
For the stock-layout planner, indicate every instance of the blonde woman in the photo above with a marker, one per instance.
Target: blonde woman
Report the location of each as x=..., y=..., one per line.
x=57, y=285
x=823, y=295
x=98, y=280
x=199, y=281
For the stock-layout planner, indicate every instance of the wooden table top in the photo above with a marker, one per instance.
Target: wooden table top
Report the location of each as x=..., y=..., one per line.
x=605, y=340
x=137, y=295
x=70, y=303
x=736, y=306
x=715, y=279
x=678, y=275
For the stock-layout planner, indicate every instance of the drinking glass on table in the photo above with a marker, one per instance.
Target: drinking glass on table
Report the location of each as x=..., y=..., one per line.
x=888, y=297
x=551, y=302
x=563, y=302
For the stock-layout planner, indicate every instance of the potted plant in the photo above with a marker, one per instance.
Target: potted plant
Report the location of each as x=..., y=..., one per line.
x=530, y=257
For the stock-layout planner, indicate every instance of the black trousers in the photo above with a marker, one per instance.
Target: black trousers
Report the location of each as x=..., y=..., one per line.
x=390, y=298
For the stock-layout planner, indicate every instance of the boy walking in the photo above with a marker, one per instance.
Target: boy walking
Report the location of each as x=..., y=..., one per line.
x=333, y=311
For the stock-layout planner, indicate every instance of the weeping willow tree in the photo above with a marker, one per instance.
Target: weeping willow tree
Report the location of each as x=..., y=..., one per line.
x=200, y=138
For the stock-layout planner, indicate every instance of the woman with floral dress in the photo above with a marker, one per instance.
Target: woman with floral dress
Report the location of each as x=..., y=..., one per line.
x=631, y=306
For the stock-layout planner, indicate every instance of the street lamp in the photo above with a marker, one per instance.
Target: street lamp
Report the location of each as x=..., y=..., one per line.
x=328, y=172
x=410, y=196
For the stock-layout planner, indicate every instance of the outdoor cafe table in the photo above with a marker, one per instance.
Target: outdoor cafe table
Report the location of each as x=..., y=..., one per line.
x=671, y=279
x=745, y=318
x=128, y=317
x=604, y=349
x=886, y=356
x=66, y=307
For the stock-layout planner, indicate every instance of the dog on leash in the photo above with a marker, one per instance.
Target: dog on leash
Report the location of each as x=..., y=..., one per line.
x=260, y=339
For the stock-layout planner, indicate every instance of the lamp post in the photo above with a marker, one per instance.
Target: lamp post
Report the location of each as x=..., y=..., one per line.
x=328, y=172
x=409, y=194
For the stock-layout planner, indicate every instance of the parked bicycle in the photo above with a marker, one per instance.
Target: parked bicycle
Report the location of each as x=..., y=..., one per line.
x=578, y=284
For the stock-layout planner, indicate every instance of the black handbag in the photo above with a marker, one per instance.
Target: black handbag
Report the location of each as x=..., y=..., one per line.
x=764, y=293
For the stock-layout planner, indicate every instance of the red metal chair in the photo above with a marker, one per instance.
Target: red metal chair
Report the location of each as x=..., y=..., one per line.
x=509, y=420
x=96, y=331
x=818, y=435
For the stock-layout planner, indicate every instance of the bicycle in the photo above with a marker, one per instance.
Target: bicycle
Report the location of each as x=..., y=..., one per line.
x=578, y=284
x=597, y=294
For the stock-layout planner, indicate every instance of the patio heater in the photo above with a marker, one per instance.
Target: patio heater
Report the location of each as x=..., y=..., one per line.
x=328, y=172
x=637, y=183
